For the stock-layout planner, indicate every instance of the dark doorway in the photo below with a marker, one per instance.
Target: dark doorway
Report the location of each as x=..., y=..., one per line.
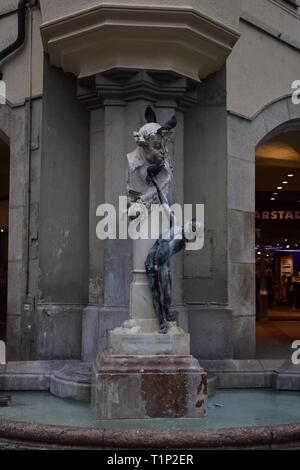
x=4, y=203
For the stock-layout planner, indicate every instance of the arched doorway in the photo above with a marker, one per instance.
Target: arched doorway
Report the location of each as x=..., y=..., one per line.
x=244, y=137
x=278, y=243
x=4, y=203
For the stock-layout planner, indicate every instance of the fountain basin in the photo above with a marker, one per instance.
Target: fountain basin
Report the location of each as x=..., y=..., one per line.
x=248, y=419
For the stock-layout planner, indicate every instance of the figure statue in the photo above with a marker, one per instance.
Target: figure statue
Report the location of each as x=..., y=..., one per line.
x=157, y=264
x=152, y=149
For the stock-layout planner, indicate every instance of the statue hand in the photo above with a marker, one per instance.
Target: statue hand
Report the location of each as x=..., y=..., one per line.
x=137, y=210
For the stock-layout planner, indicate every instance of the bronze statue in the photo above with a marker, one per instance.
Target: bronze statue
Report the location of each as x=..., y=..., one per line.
x=157, y=264
x=151, y=139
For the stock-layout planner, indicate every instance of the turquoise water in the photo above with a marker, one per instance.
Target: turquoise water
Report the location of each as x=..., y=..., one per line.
x=256, y=407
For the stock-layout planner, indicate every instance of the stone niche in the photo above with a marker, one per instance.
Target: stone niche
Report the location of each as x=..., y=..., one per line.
x=141, y=373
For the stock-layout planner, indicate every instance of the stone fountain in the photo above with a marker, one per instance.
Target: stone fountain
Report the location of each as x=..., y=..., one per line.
x=147, y=370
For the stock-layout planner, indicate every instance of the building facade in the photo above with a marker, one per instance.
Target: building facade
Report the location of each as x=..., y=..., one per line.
x=76, y=89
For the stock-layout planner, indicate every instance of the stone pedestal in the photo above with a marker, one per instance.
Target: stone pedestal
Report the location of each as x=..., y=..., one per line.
x=134, y=338
x=146, y=374
x=137, y=387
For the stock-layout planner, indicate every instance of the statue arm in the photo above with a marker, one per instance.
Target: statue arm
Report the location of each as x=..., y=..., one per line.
x=164, y=202
x=162, y=198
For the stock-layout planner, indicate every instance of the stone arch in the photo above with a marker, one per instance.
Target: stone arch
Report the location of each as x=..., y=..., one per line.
x=243, y=137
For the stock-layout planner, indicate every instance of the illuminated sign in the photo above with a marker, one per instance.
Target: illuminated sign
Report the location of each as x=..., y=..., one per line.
x=278, y=215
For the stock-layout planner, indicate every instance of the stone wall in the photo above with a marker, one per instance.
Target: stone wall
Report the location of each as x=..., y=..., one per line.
x=23, y=70
x=64, y=219
x=55, y=265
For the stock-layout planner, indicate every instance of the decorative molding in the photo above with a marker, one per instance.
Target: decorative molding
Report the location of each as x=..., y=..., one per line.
x=181, y=40
x=289, y=6
x=117, y=87
x=275, y=33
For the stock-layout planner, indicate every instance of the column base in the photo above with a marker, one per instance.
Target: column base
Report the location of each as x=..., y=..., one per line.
x=141, y=337
x=153, y=386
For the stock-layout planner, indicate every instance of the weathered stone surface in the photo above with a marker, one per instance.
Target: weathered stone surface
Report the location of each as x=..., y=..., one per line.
x=276, y=114
x=244, y=330
x=286, y=381
x=58, y=331
x=90, y=333
x=241, y=196
x=241, y=249
x=244, y=135
x=148, y=387
x=205, y=181
x=30, y=375
x=266, y=373
x=294, y=110
x=242, y=279
x=24, y=382
x=15, y=435
x=210, y=331
x=72, y=381
x=134, y=338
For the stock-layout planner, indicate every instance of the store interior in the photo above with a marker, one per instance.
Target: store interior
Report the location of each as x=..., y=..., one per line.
x=278, y=225
x=278, y=244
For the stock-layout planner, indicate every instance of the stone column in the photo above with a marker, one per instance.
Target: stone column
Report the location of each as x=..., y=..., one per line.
x=63, y=220
x=109, y=260
x=135, y=351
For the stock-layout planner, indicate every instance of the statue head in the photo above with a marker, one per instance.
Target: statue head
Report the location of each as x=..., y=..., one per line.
x=153, y=137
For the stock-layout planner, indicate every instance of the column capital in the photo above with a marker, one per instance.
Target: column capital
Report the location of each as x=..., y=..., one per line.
x=117, y=87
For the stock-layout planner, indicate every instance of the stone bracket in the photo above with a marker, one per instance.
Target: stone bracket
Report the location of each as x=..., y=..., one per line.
x=179, y=39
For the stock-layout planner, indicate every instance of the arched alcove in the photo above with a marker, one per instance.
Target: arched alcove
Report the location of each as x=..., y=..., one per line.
x=244, y=138
x=278, y=246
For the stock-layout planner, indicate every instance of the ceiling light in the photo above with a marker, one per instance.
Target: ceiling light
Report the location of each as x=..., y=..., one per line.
x=279, y=187
x=272, y=198
x=290, y=175
x=275, y=194
x=284, y=182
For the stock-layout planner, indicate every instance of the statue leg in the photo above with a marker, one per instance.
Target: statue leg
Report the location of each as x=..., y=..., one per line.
x=166, y=289
x=153, y=277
